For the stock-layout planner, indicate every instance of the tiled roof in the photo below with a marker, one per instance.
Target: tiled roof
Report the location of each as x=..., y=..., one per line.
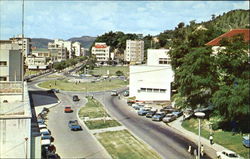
x=100, y=46
x=231, y=33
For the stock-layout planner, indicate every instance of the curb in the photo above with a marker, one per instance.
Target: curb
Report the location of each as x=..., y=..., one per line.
x=83, y=124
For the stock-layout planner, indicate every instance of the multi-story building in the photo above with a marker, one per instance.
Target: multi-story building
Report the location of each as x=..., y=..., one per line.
x=152, y=82
x=77, y=49
x=11, y=65
x=37, y=63
x=101, y=51
x=134, y=53
x=57, y=52
x=23, y=43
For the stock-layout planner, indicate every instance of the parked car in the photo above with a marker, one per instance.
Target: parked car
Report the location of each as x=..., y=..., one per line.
x=114, y=93
x=55, y=90
x=227, y=154
x=150, y=114
x=246, y=141
x=130, y=102
x=75, y=98
x=177, y=113
x=73, y=125
x=44, y=131
x=168, y=109
x=158, y=116
x=68, y=109
x=41, y=126
x=168, y=118
x=46, y=137
x=137, y=106
x=143, y=111
x=40, y=121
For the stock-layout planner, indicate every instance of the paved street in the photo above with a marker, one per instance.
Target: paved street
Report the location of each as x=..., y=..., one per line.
x=159, y=136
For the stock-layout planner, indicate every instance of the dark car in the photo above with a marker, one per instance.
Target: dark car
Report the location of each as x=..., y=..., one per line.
x=150, y=114
x=246, y=141
x=126, y=93
x=73, y=125
x=177, y=113
x=143, y=111
x=158, y=116
x=75, y=98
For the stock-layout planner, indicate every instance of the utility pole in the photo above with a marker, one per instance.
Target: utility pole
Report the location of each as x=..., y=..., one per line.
x=22, y=54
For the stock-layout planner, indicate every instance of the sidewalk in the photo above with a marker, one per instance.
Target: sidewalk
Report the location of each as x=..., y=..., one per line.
x=210, y=150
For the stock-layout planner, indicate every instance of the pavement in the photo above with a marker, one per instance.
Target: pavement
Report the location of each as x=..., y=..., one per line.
x=209, y=149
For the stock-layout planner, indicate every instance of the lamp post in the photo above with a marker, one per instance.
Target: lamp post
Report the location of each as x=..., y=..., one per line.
x=199, y=115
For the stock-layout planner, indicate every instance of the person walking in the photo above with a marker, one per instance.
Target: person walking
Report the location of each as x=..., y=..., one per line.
x=211, y=139
x=202, y=150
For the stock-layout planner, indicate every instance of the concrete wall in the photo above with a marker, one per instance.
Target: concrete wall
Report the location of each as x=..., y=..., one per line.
x=12, y=138
x=16, y=66
x=155, y=54
x=151, y=77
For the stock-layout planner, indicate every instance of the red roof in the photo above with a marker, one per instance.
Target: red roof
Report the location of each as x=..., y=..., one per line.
x=100, y=46
x=231, y=33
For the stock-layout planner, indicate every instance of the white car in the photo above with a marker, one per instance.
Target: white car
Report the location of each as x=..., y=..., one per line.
x=227, y=154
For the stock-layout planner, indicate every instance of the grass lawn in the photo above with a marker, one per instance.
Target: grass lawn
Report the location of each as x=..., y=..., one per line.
x=100, y=124
x=224, y=138
x=31, y=72
x=121, y=144
x=112, y=70
x=93, y=109
x=84, y=87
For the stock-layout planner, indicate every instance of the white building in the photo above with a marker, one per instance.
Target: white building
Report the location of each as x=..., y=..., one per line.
x=101, y=51
x=134, y=52
x=152, y=82
x=77, y=49
x=10, y=54
x=58, y=52
x=37, y=63
x=23, y=43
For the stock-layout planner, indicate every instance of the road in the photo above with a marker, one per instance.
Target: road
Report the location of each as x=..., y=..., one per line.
x=162, y=138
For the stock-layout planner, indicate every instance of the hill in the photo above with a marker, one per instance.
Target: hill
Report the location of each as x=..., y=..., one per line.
x=86, y=41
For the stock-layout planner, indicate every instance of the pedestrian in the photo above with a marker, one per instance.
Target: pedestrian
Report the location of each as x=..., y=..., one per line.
x=50, y=85
x=211, y=139
x=189, y=148
x=202, y=150
x=195, y=153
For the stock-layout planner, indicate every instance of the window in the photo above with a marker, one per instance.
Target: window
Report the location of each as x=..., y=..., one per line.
x=143, y=89
x=3, y=63
x=149, y=89
x=162, y=90
x=156, y=90
x=164, y=61
x=2, y=78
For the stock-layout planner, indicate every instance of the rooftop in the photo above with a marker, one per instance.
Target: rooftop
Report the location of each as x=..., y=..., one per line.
x=231, y=33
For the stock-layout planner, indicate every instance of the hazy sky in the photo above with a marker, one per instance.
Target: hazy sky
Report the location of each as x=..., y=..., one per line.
x=65, y=19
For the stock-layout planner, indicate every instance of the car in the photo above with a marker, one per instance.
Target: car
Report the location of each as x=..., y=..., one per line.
x=167, y=109
x=150, y=114
x=44, y=131
x=246, y=141
x=126, y=93
x=68, y=109
x=227, y=154
x=137, y=106
x=46, y=137
x=169, y=117
x=158, y=116
x=73, y=125
x=75, y=98
x=41, y=126
x=177, y=113
x=143, y=111
x=114, y=93
x=55, y=90
x=40, y=121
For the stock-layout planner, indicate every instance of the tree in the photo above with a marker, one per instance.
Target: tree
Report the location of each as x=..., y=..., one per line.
x=232, y=98
x=196, y=77
x=119, y=73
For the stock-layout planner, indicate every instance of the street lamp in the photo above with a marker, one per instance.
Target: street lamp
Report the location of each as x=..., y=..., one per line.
x=199, y=115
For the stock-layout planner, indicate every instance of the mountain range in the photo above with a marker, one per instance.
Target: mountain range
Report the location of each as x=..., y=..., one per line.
x=86, y=41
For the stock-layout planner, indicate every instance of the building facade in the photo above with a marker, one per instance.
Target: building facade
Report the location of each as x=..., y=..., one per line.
x=58, y=52
x=11, y=66
x=77, y=49
x=134, y=53
x=23, y=43
x=152, y=82
x=101, y=51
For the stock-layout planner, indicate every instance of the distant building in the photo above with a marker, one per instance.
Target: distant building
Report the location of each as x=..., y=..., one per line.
x=58, y=52
x=152, y=82
x=215, y=43
x=10, y=61
x=37, y=63
x=134, y=53
x=101, y=51
x=23, y=43
x=77, y=49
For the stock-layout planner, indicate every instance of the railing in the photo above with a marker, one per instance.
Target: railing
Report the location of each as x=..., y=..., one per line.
x=11, y=87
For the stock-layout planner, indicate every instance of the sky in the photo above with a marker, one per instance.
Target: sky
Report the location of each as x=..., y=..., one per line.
x=67, y=19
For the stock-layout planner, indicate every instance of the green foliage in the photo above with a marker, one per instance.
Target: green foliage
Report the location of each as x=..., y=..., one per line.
x=119, y=73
